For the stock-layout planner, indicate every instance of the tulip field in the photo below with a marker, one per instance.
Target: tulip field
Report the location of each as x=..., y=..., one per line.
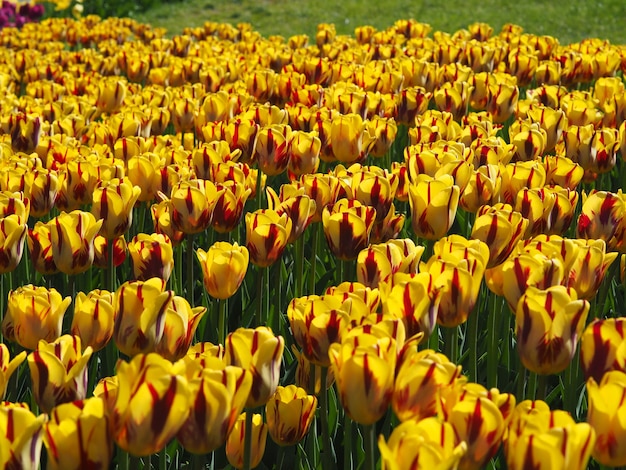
x=394, y=249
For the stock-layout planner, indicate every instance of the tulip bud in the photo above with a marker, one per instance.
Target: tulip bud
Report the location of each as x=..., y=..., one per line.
x=151, y=404
x=347, y=227
x=93, y=318
x=548, y=324
x=224, y=267
x=433, y=203
x=7, y=367
x=289, y=413
x=72, y=237
x=20, y=449
x=235, y=441
x=113, y=202
x=12, y=235
x=603, y=347
x=77, y=435
x=267, y=234
x=34, y=313
x=259, y=352
x=180, y=324
x=152, y=256
x=58, y=371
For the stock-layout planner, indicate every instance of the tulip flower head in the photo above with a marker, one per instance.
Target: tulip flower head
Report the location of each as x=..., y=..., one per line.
x=235, y=441
x=20, y=449
x=8, y=366
x=224, y=267
x=72, y=237
x=94, y=318
x=152, y=256
x=289, y=413
x=267, y=234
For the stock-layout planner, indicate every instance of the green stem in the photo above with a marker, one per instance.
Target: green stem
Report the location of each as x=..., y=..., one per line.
x=259, y=292
x=190, y=254
x=110, y=281
x=259, y=195
x=124, y=458
x=451, y=343
x=531, y=391
x=280, y=458
x=433, y=339
x=329, y=453
x=312, y=271
x=542, y=387
x=221, y=328
x=472, y=332
x=347, y=442
x=197, y=461
x=299, y=261
x=178, y=270
x=521, y=383
x=369, y=436
x=247, y=441
x=492, y=345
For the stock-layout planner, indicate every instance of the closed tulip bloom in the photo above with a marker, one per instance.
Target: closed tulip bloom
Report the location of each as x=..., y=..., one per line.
x=298, y=206
x=518, y=175
x=377, y=263
x=162, y=221
x=259, y=352
x=548, y=324
x=413, y=298
x=235, y=441
x=544, y=439
x=364, y=376
x=224, y=267
x=347, y=227
x=34, y=313
x=219, y=393
x=607, y=416
x=289, y=414
x=603, y=347
x=191, y=205
x=181, y=322
x=152, y=256
x=58, y=371
x=377, y=191
x=229, y=206
x=152, y=403
x=350, y=139
x=267, y=234
x=12, y=234
x=77, y=180
x=433, y=203
x=111, y=95
x=94, y=318
x=113, y=201
x=482, y=188
x=26, y=132
x=241, y=134
x=40, y=247
x=602, y=217
x=419, y=380
x=426, y=443
x=20, y=449
x=500, y=230
x=590, y=267
x=73, y=234
x=140, y=308
x=305, y=153
x=77, y=436
x=316, y=323
x=101, y=251
x=273, y=149
x=8, y=366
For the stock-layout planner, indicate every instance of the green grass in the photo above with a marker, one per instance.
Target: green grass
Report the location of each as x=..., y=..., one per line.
x=569, y=21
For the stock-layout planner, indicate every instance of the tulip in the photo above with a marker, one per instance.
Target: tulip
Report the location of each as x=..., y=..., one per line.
x=77, y=180
x=40, y=247
x=305, y=152
x=289, y=413
x=58, y=371
x=26, y=133
x=412, y=298
x=101, y=252
x=502, y=101
x=267, y=234
x=7, y=367
x=152, y=403
x=563, y=172
x=602, y=217
x=259, y=352
x=111, y=96
x=20, y=449
x=34, y=313
x=180, y=324
x=72, y=237
x=500, y=230
x=191, y=205
x=298, y=206
x=224, y=267
x=152, y=256
x=419, y=379
x=378, y=263
x=219, y=394
x=77, y=435
x=241, y=135
x=364, y=377
x=350, y=139
x=347, y=227
x=426, y=443
x=316, y=323
x=273, y=149
x=590, y=267
x=140, y=308
x=606, y=415
x=229, y=206
x=12, y=235
x=94, y=318
x=113, y=201
x=530, y=174
x=309, y=375
x=602, y=347
x=548, y=324
x=376, y=191
x=544, y=439
x=235, y=441
x=433, y=203
x=162, y=221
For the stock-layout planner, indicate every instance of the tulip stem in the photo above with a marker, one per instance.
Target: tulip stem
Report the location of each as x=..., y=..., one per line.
x=221, y=328
x=347, y=442
x=328, y=454
x=259, y=181
x=369, y=436
x=190, y=254
x=299, y=262
x=259, y=293
x=451, y=339
x=314, y=238
x=123, y=459
x=472, y=332
x=110, y=282
x=247, y=441
x=542, y=387
x=492, y=345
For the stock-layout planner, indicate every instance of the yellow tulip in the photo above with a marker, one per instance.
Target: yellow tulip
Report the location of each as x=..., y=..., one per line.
x=20, y=449
x=8, y=366
x=224, y=267
x=289, y=414
x=235, y=441
x=94, y=318
x=72, y=237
